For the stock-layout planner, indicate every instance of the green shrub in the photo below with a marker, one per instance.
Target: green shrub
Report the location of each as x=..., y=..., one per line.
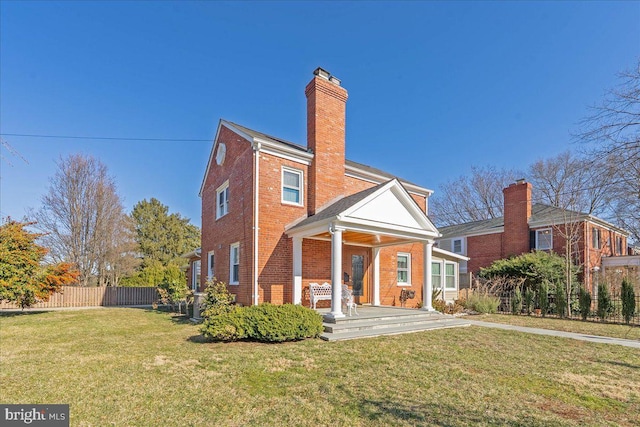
x=264, y=323
x=516, y=301
x=217, y=299
x=230, y=325
x=628, y=300
x=483, y=304
x=561, y=300
x=605, y=306
x=529, y=296
x=543, y=298
x=584, y=300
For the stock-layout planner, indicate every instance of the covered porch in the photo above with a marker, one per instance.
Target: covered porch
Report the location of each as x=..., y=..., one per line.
x=382, y=216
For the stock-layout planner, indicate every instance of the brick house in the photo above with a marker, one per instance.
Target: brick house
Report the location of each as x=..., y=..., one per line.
x=526, y=226
x=277, y=216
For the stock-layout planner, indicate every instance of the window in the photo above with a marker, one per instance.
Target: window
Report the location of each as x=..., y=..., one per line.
x=619, y=245
x=291, y=186
x=234, y=264
x=195, y=275
x=210, y=265
x=404, y=268
x=544, y=239
x=595, y=238
x=449, y=276
x=457, y=246
x=222, y=200
x=436, y=275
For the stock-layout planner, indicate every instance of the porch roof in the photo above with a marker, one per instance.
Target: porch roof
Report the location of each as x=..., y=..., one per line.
x=383, y=215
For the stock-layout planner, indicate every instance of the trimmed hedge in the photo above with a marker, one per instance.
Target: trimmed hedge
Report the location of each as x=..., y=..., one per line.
x=265, y=323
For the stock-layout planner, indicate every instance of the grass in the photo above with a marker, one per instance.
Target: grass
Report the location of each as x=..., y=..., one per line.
x=591, y=328
x=135, y=367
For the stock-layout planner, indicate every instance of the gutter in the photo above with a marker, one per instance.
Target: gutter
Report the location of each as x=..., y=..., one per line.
x=256, y=186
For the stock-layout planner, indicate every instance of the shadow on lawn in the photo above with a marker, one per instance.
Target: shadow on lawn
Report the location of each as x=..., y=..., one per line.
x=421, y=412
x=616, y=363
x=31, y=312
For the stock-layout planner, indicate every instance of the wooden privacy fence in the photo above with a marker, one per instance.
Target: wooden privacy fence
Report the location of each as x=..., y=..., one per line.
x=75, y=296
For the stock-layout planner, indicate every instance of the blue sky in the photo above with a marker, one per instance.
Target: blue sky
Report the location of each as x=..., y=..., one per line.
x=434, y=87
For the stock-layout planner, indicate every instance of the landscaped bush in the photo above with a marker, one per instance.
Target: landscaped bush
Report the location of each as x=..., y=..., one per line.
x=584, y=299
x=560, y=300
x=605, y=306
x=628, y=300
x=483, y=304
x=529, y=296
x=516, y=302
x=265, y=323
x=543, y=298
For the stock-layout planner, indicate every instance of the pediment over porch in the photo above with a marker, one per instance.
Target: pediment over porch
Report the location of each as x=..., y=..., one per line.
x=383, y=215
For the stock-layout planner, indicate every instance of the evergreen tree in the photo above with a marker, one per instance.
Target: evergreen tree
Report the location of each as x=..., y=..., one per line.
x=628, y=300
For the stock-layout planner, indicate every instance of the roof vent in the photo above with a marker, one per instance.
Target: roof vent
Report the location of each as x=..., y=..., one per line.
x=520, y=181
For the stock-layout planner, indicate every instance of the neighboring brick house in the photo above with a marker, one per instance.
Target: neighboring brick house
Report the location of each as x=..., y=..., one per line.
x=277, y=216
x=526, y=226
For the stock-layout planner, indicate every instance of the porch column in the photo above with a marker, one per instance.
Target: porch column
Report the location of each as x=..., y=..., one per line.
x=297, y=270
x=336, y=274
x=427, y=286
x=376, y=276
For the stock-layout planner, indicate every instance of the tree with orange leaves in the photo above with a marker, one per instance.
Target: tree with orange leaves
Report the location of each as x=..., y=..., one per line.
x=24, y=277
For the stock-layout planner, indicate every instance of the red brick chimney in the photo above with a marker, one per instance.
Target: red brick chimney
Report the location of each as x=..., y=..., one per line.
x=326, y=110
x=517, y=211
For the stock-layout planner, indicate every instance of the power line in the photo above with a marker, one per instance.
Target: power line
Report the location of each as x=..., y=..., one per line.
x=104, y=138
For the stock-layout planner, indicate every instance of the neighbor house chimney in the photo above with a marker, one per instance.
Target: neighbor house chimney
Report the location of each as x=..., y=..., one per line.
x=326, y=109
x=517, y=211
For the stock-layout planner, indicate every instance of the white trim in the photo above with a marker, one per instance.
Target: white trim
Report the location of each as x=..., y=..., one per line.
x=447, y=254
x=256, y=222
x=210, y=270
x=195, y=274
x=300, y=188
x=223, y=189
x=356, y=172
x=233, y=246
x=540, y=230
x=455, y=277
x=408, y=269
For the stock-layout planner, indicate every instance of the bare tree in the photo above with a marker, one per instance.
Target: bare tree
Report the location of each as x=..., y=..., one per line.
x=568, y=181
x=84, y=219
x=471, y=198
x=612, y=133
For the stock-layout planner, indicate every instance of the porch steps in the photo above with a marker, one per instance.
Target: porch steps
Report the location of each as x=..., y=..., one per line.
x=373, y=325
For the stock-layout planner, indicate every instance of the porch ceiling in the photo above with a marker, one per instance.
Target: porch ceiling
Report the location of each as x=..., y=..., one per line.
x=357, y=238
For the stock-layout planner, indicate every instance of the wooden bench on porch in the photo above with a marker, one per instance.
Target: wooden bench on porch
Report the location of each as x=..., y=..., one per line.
x=319, y=293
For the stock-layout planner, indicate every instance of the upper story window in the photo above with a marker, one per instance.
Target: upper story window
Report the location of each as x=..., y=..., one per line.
x=222, y=200
x=449, y=275
x=404, y=268
x=544, y=239
x=619, y=245
x=456, y=246
x=234, y=264
x=211, y=265
x=595, y=238
x=292, y=186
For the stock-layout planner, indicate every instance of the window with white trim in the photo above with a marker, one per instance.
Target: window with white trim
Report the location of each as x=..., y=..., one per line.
x=456, y=246
x=595, y=238
x=292, y=185
x=222, y=200
x=195, y=275
x=544, y=239
x=449, y=276
x=436, y=275
x=404, y=269
x=234, y=264
x=211, y=265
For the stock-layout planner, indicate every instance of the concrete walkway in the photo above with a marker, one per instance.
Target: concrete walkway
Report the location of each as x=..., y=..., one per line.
x=572, y=335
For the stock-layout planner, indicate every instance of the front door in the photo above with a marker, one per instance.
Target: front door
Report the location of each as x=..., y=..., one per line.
x=359, y=282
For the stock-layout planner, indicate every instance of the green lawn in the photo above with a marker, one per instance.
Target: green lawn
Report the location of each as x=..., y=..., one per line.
x=127, y=367
x=591, y=328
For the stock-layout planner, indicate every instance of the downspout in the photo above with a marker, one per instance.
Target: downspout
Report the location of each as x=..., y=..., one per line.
x=256, y=187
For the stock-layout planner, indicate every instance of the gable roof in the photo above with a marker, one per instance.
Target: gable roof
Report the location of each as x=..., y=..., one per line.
x=541, y=216
x=384, y=210
x=303, y=154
